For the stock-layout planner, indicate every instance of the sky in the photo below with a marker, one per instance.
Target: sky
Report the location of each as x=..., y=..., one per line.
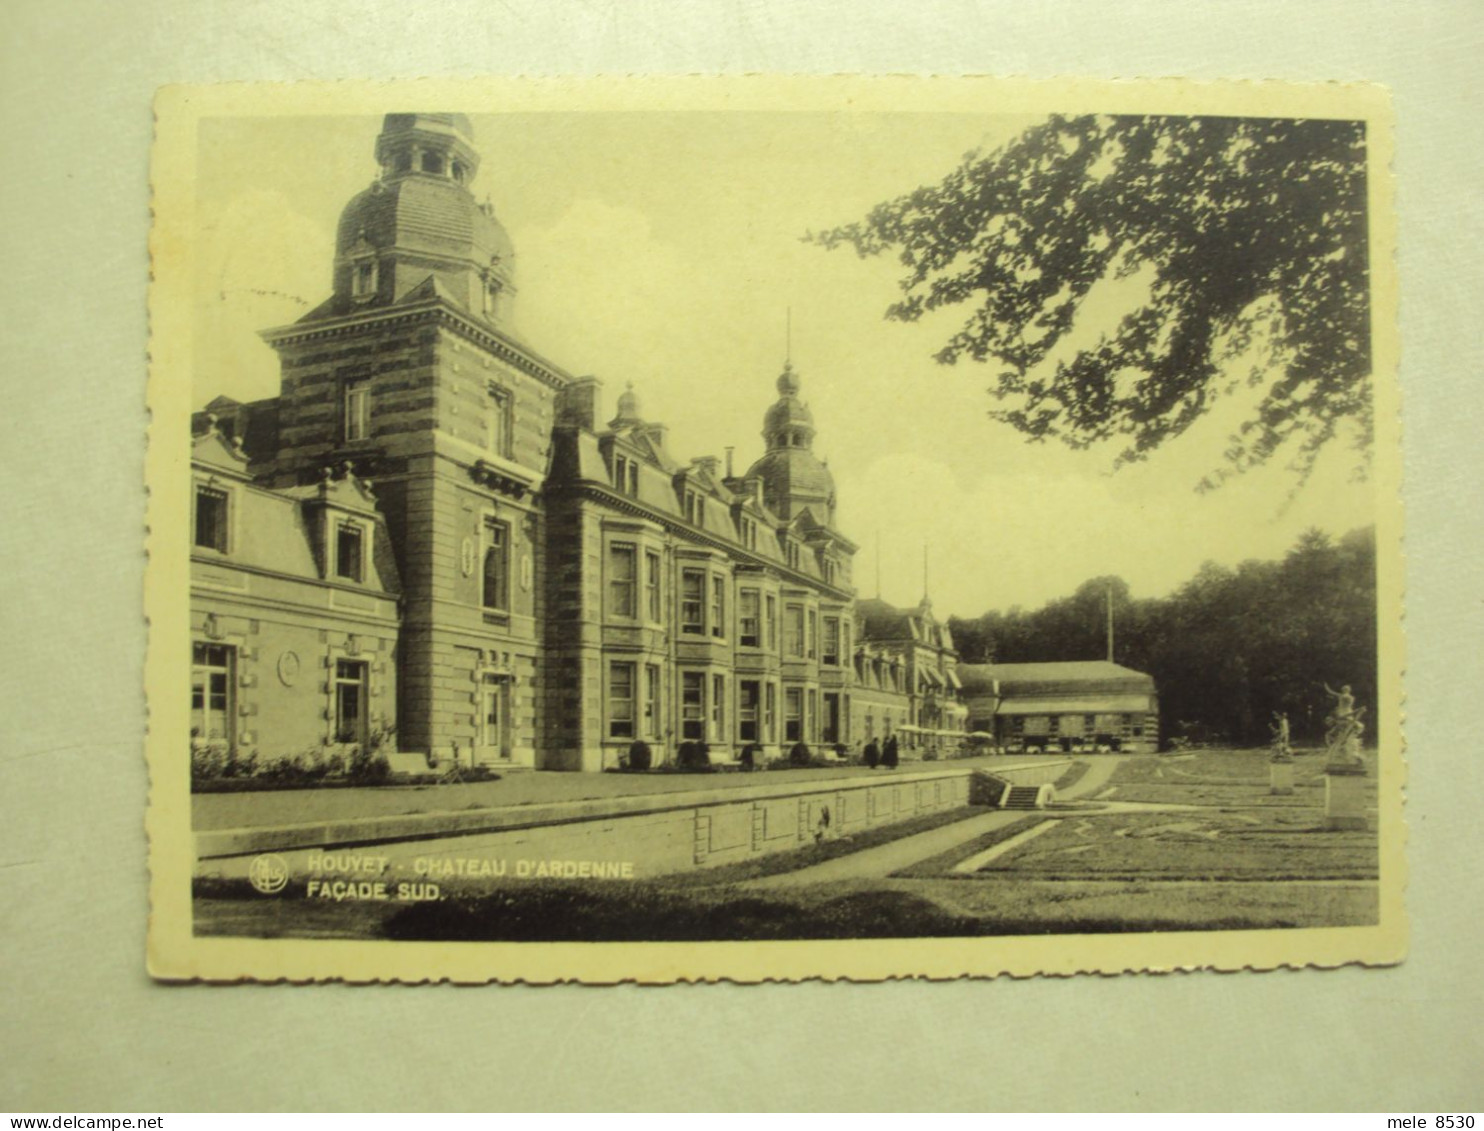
x=665, y=249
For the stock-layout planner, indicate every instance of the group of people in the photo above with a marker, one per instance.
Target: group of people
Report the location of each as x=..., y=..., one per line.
x=883, y=755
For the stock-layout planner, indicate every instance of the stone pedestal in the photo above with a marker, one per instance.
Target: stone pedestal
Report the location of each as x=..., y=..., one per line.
x=1345, y=799
x=1281, y=777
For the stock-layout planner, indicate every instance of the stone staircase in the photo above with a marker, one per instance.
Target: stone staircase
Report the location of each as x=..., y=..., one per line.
x=1026, y=797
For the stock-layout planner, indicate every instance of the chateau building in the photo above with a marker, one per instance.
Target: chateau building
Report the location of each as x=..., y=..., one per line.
x=906, y=669
x=428, y=538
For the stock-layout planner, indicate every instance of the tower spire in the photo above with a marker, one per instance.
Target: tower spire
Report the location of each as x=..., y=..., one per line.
x=788, y=336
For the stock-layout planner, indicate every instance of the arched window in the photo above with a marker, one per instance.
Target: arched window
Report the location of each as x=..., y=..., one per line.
x=433, y=163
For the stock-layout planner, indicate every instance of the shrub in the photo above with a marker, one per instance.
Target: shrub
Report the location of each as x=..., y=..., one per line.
x=640, y=756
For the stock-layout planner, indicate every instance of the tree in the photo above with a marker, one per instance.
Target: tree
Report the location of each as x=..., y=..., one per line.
x=1236, y=225
x=1230, y=646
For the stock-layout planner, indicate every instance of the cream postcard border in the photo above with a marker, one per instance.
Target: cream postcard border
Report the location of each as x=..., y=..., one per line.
x=175, y=954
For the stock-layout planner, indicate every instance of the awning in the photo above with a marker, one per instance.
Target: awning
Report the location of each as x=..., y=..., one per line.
x=953, y=680
x=1087, y=705
x=932, y=677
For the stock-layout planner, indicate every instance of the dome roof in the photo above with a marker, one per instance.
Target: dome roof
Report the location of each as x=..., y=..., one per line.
x=437, y=218
x=795, y=480
x=787, y=412
x=452, y=123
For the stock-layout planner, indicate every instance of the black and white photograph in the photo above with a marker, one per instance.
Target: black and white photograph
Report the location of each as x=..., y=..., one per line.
x=920, y=519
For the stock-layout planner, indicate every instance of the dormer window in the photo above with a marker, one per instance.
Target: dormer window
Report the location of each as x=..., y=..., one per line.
x=363, y=279
x=211, y=519
x=357, y=411
x=791, y=550
x=625, y=474
x=695, y=508
x=433, y=163
x=349, y=552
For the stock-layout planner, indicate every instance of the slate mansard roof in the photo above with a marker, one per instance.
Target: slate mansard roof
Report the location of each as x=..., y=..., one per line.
x=1059, y=679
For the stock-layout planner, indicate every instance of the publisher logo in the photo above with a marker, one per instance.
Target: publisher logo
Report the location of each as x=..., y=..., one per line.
x=269, y=874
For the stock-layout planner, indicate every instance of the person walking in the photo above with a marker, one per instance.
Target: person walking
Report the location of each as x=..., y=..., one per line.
x=889, y=755
x=872, y=754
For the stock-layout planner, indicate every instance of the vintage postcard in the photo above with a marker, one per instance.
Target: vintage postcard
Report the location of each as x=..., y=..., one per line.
x=772, y=528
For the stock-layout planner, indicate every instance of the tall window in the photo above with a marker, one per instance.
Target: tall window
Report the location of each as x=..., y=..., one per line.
x=363, y=278
x=211, y=692
x=748, y=705
x=496, y=581
x=718, y=708
x=497, y=422
x=830, y=649
x=693, y=705
x=811, y=720
x=652, y=604
x=211, y=518
x=810, y=633
x=747, y=618
x=695, y=508
x=350, y=701
x=718, y=605
x=620, y=700
x=770, y=712
x=693, y=601
x=349, y=551
x=791, y=551
x=622, y=563
x=625, y=474
x=793, y=630
x=357, y=411
x=793, y=714
x=651, y=700
x=770, y=623
x=831, y=718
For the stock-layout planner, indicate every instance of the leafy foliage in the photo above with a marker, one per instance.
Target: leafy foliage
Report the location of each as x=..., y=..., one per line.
x=1229, y=647
x=1237, y=224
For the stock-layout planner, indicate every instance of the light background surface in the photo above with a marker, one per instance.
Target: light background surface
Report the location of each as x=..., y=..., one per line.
x=85, y=1029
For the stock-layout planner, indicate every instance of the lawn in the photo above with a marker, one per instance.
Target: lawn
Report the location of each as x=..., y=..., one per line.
x=1270, y=843
x=1235, y=858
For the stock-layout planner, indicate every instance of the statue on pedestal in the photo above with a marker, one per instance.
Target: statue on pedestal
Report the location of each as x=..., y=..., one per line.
x=1342, y=734
x=1282, y=750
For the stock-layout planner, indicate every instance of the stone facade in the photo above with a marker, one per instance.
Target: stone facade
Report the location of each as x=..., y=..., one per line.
x=906, y=672
x=535, y=588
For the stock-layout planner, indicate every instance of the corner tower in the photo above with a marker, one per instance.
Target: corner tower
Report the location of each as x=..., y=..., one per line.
x=408, y=376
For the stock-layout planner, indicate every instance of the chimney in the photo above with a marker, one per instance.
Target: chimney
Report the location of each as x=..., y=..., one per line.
x=577, y=403
x=730, y=450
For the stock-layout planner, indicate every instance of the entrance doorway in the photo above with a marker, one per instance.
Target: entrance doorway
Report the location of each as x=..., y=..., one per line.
x=493, y=742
